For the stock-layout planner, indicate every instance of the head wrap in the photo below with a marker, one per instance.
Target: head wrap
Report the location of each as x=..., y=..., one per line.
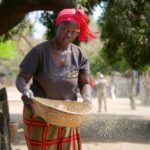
x=78, y=16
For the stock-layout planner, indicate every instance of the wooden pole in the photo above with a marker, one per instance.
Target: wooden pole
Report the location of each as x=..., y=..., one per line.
x=4, y=121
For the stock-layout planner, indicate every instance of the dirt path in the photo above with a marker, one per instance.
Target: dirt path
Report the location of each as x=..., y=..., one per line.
x=103, y=146
x=120, y=106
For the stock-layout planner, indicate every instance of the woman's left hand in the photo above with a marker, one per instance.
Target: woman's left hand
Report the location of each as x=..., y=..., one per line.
x=87, y=101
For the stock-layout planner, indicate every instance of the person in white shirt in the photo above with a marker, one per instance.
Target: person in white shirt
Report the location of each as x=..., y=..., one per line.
x=101, y=90
x=112, y=88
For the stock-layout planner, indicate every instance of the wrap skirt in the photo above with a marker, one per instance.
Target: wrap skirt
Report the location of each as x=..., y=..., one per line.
x=42, y=136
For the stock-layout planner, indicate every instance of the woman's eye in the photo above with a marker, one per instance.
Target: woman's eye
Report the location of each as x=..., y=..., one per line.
x=73, y=33
x=65, y=30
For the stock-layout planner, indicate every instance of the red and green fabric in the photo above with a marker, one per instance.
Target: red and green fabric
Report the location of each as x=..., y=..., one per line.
x=42, y=136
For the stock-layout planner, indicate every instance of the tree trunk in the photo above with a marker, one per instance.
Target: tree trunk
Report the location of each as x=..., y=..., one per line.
x=13, y=11
x=4, y=121
x=131, y=92
x=146, y=90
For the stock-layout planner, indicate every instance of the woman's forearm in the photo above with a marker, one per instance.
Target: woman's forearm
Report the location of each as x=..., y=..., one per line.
x=21, y=84
x=86, y=93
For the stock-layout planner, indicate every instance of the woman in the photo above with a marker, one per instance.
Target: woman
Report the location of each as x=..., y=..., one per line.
x=57, y=67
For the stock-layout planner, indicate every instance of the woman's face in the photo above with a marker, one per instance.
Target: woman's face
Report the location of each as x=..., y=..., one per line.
x=67, y=32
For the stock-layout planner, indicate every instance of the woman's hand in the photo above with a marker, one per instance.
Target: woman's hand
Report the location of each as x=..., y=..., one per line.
x=86, y=94
x=87, y=101
x=21, y=84
x=28, y=93
x=26, y=97
x=27, y=100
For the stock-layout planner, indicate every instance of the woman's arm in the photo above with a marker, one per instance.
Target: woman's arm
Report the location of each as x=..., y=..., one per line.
x=22, y=81
x=84, y=86
x=21, y=84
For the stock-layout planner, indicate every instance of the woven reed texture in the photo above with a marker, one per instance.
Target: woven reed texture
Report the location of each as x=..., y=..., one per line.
x=62, y=113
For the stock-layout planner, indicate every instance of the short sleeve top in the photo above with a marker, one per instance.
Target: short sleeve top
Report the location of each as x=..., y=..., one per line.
x=52, y=81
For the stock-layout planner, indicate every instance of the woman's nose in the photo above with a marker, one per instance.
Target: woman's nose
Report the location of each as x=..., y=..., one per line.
x=69, y=34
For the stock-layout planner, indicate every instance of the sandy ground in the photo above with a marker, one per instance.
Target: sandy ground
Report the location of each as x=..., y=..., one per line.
x=120, y=106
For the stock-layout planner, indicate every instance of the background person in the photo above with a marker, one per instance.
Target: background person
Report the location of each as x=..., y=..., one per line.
x=112, y=88
x=101, y=92
x=57, y=67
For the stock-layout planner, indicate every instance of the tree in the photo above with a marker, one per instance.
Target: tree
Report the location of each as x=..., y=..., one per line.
x=12, y=12
x=125, y=31
x=8, y=50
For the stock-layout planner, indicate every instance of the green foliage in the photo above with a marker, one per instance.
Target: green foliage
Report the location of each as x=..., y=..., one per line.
x=82, y=1
x=48, y=20
x=125, y=31
x=98, y=64
x=8, y=50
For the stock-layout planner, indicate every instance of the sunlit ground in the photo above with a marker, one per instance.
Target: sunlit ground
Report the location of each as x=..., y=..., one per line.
x=119, y=107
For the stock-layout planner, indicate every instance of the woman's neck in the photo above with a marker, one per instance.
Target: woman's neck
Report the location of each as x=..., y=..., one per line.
x=58, y=46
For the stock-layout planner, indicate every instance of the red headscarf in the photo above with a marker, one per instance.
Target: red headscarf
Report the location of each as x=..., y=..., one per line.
x=78, y=16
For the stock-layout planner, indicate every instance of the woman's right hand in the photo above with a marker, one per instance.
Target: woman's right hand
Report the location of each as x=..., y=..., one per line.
x=26, y=97
x=27, y=100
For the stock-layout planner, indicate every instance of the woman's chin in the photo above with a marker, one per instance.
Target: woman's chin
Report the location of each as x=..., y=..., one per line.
x=65, y=44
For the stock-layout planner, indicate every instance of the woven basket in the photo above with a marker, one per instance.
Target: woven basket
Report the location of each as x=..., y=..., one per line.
x=60, y=112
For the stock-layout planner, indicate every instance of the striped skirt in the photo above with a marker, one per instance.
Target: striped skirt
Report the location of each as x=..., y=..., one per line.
x=40, y=136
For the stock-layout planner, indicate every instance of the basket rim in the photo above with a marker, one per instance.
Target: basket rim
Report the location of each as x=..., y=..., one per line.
x=65, y=111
